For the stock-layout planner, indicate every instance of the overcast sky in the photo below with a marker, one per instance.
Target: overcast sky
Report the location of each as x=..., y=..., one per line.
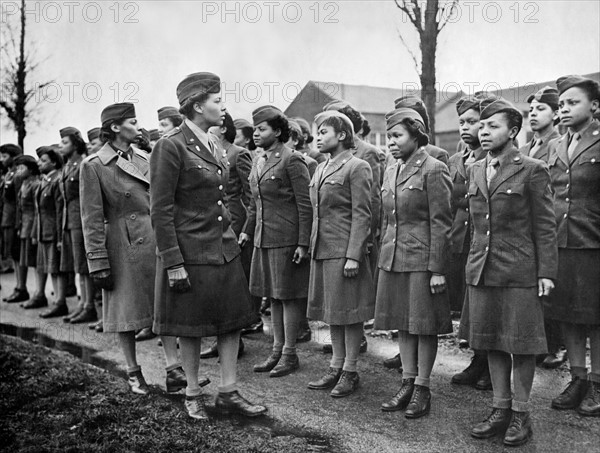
x=103, y=52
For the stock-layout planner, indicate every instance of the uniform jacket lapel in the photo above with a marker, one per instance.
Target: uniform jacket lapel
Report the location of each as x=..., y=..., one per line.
x=479, y=177
x=412, y=166
x=272, y=161
x=195, y=146
x=137, y=168
x=509, y=166
x=335, y=166
x=590, y=136
x=561, y=149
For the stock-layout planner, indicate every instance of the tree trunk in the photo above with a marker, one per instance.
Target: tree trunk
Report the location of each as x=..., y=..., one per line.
x=428, y=47
x=20, y=82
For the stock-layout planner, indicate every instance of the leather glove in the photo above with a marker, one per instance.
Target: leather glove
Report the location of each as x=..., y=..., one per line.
x=178, y=279
x=103, y=279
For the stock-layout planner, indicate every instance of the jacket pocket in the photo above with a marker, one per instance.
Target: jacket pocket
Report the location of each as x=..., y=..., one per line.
x=511, y=189
x=589, y=158
x=413, y=184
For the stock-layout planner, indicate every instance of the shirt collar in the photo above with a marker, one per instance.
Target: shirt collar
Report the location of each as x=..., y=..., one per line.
x=202, y=136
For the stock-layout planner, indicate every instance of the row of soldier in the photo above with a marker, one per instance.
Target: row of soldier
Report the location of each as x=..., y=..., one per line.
x=346, y=233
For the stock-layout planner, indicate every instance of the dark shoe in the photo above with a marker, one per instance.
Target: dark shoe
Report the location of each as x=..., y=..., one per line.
x=572, y=396
x=485, y=381
x=519, y=431
x=463, y=344
x=328, y=381
x=144, y=334
x=363, y=344
x=73, y=314
x=401, y=399
x=211, y=352
x=420, y=403
x=93, y=325
x=176, y=380
x=471, y=374
x=327, y=348
x=87, y=315
x=496, y=423
x=254, y=328
x=36, y=302
x=265, y=306
x=590, y=406
x=393, y=363
x=137, y=383
x=234, y=403
x=56, y=311
x=194, y=406
x=287, y=365
x=304, y=335
x=346, y=385
x=555, y=359
x=268, y=364
x=19, y=295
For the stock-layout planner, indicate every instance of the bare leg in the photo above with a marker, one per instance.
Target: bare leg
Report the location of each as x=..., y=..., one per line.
x=190, y=358
x=127, y=341
x=170, y=349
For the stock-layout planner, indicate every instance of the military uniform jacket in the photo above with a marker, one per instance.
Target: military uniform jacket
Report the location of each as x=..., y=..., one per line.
x=340, y=197
x=69, y=189
x=49, y=208
x=513, y=239
x=189, y=213
x=543, y=152
x=459, y=234
x=26, y=207
x=576, y=184
x=115, y=216
x=10, y=188
x=371, y=155
x=437, y=153
x=416, y=215
x=237, y=193
x=280, y=213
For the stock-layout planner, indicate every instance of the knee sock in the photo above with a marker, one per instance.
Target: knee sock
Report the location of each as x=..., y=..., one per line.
x=426, y=354
x=353, y=337
x=278, y=328
x=409, y=345
x=292, y=314
x=338, y=345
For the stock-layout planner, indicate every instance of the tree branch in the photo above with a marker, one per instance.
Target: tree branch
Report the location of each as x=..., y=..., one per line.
x=451, y=9
x=411, y=12
x=412, y=54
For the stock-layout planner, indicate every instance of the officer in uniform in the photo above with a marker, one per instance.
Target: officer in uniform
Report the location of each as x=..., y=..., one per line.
x=168, y=119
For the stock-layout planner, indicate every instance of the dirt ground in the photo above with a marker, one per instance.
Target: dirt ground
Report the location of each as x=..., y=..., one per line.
x=355, y=423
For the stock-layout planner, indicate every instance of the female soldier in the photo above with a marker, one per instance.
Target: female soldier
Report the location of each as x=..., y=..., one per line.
x=201, y=289
x=28, y=171
x=119, y=240
x=341, y=285
x=168, y=119
x=575, y=171
x=72, y=251
x=511, y=262
x=279, y=218
x=411, y=293
x=243, y=134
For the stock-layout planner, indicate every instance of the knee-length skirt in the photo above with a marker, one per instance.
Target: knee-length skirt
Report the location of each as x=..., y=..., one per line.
x=339, y=300
x=505, y=319
x=274, y=274
x=27, y=253
x=404, y=302
x=48, y=257
x=218, y=302
x=576, y=298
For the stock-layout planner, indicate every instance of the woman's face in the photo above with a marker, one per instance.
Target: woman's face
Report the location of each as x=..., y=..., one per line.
x=213, y=110
x=400, y=143
x=541, y=116
x=23, y=171
x=6, y=160
x=45, y=164
x=165, y=125
x=494, y=132
x=468, y=126
x=265, y=136
x=327, y=139
x=575, y=108
x=129, y=131
x=66, y=147
x=240, y=139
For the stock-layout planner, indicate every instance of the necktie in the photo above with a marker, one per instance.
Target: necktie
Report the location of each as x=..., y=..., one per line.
x=124, y=154
x=261, y=163
x=492, y=169
x=470, y=158
x=572, y=145
x=535, y=146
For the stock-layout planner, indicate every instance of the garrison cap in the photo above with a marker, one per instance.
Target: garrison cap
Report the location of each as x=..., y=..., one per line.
x=294, y=126
x=69, y=130
x=416, y=103
x=265, y=113
x=241, y=123
x=117, y=112
x=490, y=106
x=29, y=161
x=166, y=112
x=570, y=81
x=93, y=133
x=466, y=103
x=43, y=150
x=11, y=149
x=154, y=134
x=396, y=116
x=546, y=95
x=321, y=117
x=197, y=83
x=337, y=105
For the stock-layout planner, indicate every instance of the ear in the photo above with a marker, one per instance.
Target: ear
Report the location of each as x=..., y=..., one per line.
x=514, y=131
x=198, y=107
x=342, y=136
x=115, y=128
x=277, y=132
x=595, y=105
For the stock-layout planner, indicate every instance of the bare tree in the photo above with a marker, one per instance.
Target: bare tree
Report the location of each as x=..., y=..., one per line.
x=428, y=22
x=18, y=99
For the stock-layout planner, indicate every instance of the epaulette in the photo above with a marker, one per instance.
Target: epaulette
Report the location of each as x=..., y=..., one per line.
x=171, y=132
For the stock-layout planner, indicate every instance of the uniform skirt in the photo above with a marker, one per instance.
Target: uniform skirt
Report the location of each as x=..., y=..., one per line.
x=576, y=298
x=28, y=253
x=505, y=319
x=11, y=245
x=456, y=280
x=404, y=302
x=339, y=300
x=48, y=257
x=72, y=256
x=274, y=274
x=218, y=303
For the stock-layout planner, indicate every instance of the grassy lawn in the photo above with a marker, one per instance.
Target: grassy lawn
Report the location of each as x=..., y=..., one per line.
x=50, y=401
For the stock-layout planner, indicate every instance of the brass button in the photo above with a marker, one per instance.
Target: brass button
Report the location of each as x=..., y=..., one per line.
x=127, y=194
x=509, y=191
x=132, y=216
x=466, y=222
x=140, y=240
x=220, y=219
x=220, y=187
x=219, y=172
x=219, y=202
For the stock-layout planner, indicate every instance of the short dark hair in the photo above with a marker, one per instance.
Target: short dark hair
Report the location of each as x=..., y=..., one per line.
x=299, y=137
x=514, y=119
x=187, y=109
x=229, y=128
x=591, y=89
x=339, y=125
x=54, y=157
x=29, y=162
x=416, y=130
x=177, y=120
x=354, y=116
x=248, y=133
x=78, y=143
x=106, y=132
x=280, y=123
x=11, y=149
x=366, y=129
